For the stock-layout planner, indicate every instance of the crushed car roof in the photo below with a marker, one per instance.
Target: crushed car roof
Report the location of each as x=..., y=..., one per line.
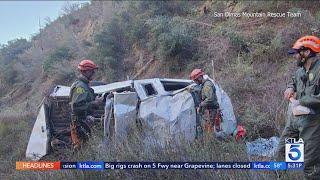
x=63, y=91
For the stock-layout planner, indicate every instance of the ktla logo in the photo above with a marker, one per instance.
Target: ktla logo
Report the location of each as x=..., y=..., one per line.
x=294, y=150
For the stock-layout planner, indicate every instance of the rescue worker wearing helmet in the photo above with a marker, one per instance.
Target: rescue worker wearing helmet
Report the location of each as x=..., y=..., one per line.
x=83, y=102
x=304, y=89
x=208, y=107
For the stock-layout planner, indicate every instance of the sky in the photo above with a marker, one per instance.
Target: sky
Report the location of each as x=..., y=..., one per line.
x=20, y=19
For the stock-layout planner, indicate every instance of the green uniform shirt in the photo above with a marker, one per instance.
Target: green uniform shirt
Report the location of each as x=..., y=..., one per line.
x=208, y=96
x=306, y=86
x=81, y=98
x=307, y=127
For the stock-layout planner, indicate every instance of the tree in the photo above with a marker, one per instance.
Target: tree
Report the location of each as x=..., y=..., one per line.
x=14, y=48
x=60, y=54
x=110, y=49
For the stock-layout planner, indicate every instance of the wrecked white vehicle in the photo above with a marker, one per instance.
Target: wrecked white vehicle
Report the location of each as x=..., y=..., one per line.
x=164, y=108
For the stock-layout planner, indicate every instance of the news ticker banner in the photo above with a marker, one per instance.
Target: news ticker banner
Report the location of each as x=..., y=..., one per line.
x=90, y=165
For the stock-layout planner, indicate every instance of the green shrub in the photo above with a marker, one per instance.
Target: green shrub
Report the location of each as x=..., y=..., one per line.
x=160, y=8
x=171, y=39
x=47, y=64
x=86, y=43
x=306, y=24
x=9, y=74
x=110, y=49
x=265, y=6
x=110, y=40
x=237, y=40
x=135, y=30
x=317, y=16
x=134, y=17
x=263, y=35
x=62, y=53
x=131, y=27
x=58, y=55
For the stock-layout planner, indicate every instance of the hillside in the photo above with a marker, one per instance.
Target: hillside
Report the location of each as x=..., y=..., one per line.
x=172, y=38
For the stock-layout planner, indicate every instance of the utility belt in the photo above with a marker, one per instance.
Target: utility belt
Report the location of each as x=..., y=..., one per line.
x=213, y=119
x=79, y=124
x=209, y=110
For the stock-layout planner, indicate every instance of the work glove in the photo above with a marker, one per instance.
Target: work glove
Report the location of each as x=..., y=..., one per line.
x=288, y=93
x=239, y=133
x=99, y=100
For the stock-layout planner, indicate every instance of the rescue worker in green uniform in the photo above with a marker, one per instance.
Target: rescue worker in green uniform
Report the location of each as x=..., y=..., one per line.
x=83, y=102
x=209, y=106
x=304, y=89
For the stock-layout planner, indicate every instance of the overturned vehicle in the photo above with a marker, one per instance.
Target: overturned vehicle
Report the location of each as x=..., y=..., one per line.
x=164, y=108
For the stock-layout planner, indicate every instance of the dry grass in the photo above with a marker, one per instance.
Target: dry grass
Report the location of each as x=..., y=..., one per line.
x=133, y=149
x=14, y=132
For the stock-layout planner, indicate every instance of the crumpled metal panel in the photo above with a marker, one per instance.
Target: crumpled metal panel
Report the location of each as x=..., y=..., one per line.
x=158, y=87
x=112, y=86
x=60, y=91
x=38, y=142
x=125, y=113
x=168, y=118
x=64, y=91
x=108, y=110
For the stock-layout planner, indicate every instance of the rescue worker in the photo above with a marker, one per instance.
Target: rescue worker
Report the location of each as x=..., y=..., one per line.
x=83, y=102
x=208, y=107
x=304, y=89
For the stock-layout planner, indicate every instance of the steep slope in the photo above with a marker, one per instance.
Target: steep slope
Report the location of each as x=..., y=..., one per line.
x=145, y=39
